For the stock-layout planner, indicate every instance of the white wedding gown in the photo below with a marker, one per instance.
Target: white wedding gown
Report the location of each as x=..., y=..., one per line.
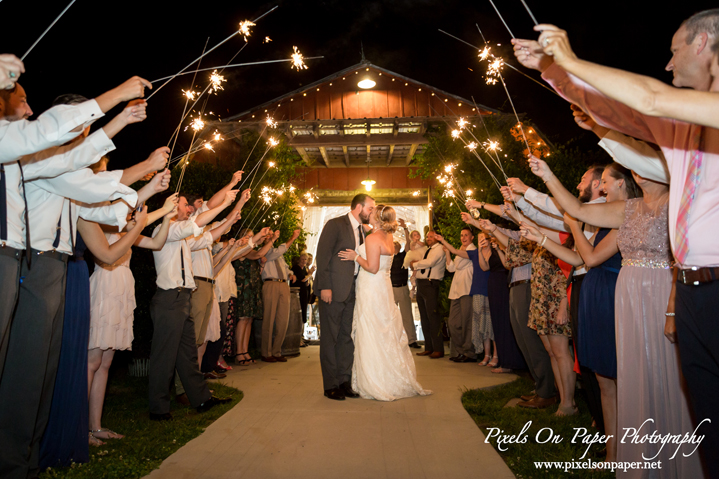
x=383, y=367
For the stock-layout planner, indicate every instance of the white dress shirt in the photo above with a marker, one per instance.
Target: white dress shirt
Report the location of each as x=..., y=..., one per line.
x=225, y=285
x=435, y=260
x=54, y=127
x=637, y=156
x=463, y=271
x=201, y=248
x=355, y=228
x=49, y=201
x=167, y=260
x=45, y=164
x=276, y=268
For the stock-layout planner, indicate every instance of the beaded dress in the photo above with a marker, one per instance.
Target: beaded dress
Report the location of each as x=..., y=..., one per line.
x=649, y=381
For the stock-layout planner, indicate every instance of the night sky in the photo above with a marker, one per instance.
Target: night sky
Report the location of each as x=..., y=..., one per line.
x=99, y=44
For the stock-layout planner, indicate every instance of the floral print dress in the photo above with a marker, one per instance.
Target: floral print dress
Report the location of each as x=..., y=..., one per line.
x=549, y=286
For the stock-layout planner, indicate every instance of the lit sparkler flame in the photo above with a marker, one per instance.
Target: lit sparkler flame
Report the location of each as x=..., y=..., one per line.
x=462, y=123
x=217, y=136
x=468, y=193
x=272, y=164
x=271, y=123
x=244, y=29
x=208, y=146
x=472, y=146
x=298, y=60
x=429, y=205
x=189, y=94
x=267, y=40
x=292, y=188
x=448, y=193
x=415, y=193
x=484, y=54
x=494, y=70
x=216, y=80
x=492, y=145
x=197, y=124
x=273, y=142
x=449, y=168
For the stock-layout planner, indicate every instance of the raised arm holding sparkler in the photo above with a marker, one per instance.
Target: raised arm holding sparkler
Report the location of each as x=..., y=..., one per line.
x=206, y=217
x=11, y=67
x=155, y=162
x=644, y=94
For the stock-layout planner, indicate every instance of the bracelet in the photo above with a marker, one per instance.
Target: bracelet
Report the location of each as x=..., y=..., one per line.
x=544, y=240
x=670, y=314
x=550, y=177
x=481, y=205
x=355, y=260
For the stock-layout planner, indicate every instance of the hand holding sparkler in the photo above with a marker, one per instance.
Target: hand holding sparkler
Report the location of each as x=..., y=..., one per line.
x=236, y=177
x=229, y=198
x=131, y=89
x=540, y=168
x=531, y=55
x=244, y=198
x=586, y=122
x=11, y=67
x=555, y=43
x=517, y=185
x=531, y=233
x=470, y=204
x=158, y=159
x=171, y=203
x=507, y=193
x=134, y=112
x=160, y=182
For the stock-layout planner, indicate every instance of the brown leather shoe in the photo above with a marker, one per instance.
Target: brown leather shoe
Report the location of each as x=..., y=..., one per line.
x=528, y=397
x=214, y=375
x=268, y=359
x=436, y=355
x=424, y=353
x=538, y=402
x=182, y=399
x=280, y=359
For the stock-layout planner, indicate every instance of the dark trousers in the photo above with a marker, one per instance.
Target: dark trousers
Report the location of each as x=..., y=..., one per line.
x=536, y=357
x=587, y=378
x=214, y=348
x=336, y=347
x=174, y=348
x=698, y=334
x=10, y=280
x=428, y=304
x=33, y=351
x=459, y=324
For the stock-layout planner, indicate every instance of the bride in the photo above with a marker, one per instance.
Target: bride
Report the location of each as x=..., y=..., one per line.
x=383, y=367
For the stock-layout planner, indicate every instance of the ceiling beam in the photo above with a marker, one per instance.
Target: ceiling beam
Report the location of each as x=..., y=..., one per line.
x=389, y=155
x=412, y=150
x=368, y=154
x=306, y=141
x=323, y=152
x=347, y=155
x=304, y=156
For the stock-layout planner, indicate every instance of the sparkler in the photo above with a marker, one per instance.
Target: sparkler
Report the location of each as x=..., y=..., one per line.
x=526, y=7
x=47, y=30
x=197, y=124
x=244, y=29
x=234, y=65
x=500, y=17
x=298, y=61
x=493, y=71
x=216, y=81
x=209, y=51
x=267, y=40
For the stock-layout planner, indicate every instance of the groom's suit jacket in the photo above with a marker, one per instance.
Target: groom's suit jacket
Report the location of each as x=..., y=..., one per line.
x=332, y=272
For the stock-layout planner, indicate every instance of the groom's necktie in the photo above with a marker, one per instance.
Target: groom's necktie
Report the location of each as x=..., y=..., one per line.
x=361, y=235
x=426, y=253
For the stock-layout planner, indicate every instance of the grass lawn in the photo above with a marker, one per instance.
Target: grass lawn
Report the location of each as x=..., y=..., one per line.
x=146, y=443
x=487, y=409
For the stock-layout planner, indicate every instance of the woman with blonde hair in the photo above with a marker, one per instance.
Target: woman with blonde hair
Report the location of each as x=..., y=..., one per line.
x=383, y=367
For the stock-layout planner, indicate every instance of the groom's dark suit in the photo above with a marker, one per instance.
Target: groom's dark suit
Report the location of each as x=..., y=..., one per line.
x=336, y=346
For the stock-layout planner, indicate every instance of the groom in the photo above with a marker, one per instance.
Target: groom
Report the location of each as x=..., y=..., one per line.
x=335, y=285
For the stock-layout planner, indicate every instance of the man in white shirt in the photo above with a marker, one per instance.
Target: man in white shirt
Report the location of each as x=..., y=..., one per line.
x=173, y=339
x=276, y=301
x=430, y=272
x=459, y=322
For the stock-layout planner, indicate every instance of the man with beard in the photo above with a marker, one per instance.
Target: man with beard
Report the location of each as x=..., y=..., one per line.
x=335, y=285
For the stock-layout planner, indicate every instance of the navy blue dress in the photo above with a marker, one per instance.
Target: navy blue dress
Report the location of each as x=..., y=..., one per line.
x=510, y=356
x=65, y=439
x=596, y=344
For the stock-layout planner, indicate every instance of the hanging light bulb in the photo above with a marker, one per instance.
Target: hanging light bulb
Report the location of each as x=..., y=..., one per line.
x=369, y=181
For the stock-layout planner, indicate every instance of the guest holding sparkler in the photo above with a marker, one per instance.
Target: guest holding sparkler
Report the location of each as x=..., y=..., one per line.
x=692, y=199
x=400, y=289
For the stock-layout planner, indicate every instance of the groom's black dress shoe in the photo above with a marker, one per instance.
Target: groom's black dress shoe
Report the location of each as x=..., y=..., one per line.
x=414, y=345
x=346, y=389
x=335, y=393
x=160, y=417
x=464, y=359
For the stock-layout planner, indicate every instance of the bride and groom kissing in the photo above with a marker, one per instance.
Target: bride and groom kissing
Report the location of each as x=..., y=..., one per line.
x=363, y=344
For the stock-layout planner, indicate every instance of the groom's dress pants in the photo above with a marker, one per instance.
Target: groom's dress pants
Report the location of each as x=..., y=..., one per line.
x=336, y=346
x=428, y=303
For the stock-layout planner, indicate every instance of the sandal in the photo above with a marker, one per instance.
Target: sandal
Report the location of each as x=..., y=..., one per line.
x=485, y=361
x=93, y=441
x=241, y=362
x=107, y=432
x=494, y=362
x=249, y=358
x=501, y=370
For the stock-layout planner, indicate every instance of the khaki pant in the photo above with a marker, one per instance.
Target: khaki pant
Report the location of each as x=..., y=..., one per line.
x=201, y=309
x=276, y=301
x=401, y=298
